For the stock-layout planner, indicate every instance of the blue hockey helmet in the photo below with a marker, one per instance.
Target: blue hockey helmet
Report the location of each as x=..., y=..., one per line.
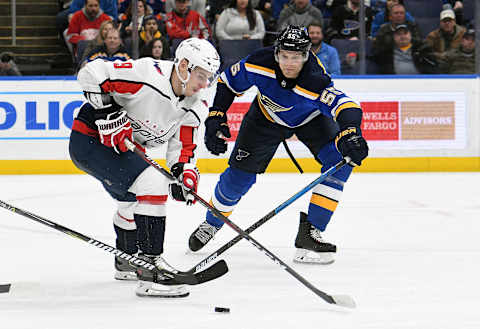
x=293, y=38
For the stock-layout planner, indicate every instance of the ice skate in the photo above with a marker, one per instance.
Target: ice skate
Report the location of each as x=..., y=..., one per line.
x=311, y=248
x=124, y=270
x=150, y=281
x=200, y=237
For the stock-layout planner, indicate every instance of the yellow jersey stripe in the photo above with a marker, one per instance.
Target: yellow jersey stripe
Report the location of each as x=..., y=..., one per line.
x=323, y=202
x=319, y=62
x=261, y=68
x=305, y=91
x=345, y=106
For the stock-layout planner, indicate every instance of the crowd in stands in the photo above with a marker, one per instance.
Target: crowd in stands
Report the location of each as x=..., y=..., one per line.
x=403, y=36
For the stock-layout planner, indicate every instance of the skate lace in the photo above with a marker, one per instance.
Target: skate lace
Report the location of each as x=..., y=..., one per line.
x=315, y=234
x=206, y=232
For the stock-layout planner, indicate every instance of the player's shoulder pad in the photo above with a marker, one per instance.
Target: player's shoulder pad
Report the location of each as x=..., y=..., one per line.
x=314, y=77
x=263, y=57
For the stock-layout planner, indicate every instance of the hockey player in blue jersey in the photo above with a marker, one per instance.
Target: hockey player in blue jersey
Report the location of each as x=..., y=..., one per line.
x=295, y=96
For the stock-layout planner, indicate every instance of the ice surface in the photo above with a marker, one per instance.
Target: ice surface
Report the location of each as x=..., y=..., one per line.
x=408, y=253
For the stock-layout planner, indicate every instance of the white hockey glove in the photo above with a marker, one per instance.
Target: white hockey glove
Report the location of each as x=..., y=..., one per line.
x=114, y=129
x=189, y=176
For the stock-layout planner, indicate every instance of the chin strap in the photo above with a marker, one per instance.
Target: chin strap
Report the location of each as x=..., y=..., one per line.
x=182, y=81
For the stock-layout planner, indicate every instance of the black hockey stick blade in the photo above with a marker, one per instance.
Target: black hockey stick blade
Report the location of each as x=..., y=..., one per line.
x=5, y=288
x=178, y=277
x=213, y=272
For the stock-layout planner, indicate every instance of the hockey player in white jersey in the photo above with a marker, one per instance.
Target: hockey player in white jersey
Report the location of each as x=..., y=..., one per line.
x=151, y=102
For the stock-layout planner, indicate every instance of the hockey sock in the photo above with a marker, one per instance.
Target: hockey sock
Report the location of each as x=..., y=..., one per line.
x=325, y=196
x=150, y=233
x=126, y=240
x=232, y=185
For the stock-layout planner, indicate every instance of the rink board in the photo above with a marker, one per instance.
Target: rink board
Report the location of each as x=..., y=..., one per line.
x=420, y=123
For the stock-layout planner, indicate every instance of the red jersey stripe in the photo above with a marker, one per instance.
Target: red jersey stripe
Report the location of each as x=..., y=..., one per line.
x=186, y=137
x=152, y=199
x=121, y=87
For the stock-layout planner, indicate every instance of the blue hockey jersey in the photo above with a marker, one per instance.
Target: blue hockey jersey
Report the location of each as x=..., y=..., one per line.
x=288, y=102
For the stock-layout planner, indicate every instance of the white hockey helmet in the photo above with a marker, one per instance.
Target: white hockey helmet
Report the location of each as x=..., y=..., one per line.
x=198, y=53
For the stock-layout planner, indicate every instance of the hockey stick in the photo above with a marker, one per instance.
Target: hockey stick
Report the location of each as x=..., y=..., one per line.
x=341, y=300
x=268, y=216
x=177, y=277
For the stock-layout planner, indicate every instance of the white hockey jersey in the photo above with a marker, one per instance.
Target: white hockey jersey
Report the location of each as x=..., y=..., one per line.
x=142, y=88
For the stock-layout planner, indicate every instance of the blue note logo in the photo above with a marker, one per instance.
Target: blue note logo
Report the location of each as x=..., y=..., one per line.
x=241, y=154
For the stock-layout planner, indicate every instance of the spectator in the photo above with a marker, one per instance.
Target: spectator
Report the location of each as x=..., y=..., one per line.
x=154, y=6
x=406, y=55
x=7, y=65
x=197, y=5
x=383, y=16
x=462, y=59
x=111, y=50
x=345, y=21
x=457, y=6
x=278, y=6
x=183, y=22
x=299, y=13
x=85, y=25
x=265, y=8
x=328, y=55
x=98, y=41
x=126, y=25
x=240, y=21
x=156, y=49
x=448, y=36
x=327, y=7
x=63, y=18
x=384, y=40
x=152, y=29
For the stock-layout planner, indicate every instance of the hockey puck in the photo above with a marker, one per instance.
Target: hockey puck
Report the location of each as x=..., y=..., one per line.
x=5, y=288
x=222, y=309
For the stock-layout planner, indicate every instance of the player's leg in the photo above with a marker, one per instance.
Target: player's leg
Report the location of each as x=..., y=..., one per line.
x=151, y=190
x=256, y=143
x=310, y=244
x=126, y=231
x=117, y=173
x=130, y=179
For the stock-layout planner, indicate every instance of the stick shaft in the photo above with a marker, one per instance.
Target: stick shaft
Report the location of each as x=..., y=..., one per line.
x=78, y=235
x=326, y=297
x=268, y=216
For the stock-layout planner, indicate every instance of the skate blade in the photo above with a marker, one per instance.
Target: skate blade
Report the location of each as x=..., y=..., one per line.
x=149, y=289
x=155, y=295
x=125, y=276
x=311, y=257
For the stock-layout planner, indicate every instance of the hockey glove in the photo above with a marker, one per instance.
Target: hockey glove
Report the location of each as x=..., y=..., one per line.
x=216, y=126
x=350, y=143
x=114, y=129
x=189, y=176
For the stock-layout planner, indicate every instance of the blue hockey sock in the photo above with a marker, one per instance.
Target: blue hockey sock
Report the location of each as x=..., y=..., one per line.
x=325, y=196
x=150, y=233
x=126, y=240
x=232, y=185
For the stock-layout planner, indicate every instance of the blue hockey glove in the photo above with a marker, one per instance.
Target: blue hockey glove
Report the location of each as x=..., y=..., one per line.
x=216, y=126
x=350, y=143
